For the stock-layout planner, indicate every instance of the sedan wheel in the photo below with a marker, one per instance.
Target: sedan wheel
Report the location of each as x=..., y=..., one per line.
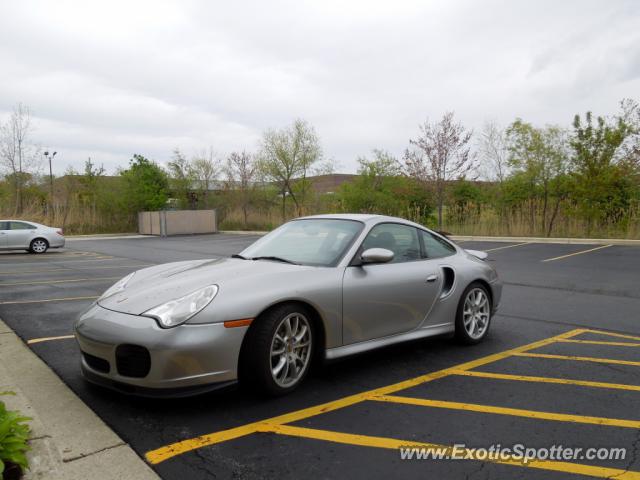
x=277, y=350
x=474, y=314
x=39, y=245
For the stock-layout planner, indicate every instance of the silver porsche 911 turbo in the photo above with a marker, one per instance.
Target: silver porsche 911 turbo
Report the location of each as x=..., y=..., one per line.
x=316, y=288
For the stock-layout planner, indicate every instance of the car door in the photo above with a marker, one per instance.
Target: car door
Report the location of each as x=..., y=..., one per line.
x=20, y=234
x=4, y=230
x=388, y=298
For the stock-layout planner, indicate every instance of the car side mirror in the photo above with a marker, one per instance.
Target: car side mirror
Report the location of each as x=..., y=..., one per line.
x=376, y=255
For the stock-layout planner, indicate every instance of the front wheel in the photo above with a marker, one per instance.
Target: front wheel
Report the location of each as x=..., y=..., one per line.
x=38, y=245
x=278, y=350
x=474, y=314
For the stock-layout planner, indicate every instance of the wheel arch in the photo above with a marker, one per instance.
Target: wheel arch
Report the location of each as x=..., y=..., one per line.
x=39, y=238
x=316, y=319
x=486, y=285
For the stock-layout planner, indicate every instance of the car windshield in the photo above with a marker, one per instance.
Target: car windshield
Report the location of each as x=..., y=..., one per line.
x=320, y=242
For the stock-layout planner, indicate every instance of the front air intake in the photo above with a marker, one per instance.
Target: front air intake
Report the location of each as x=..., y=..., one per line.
x=133, y=361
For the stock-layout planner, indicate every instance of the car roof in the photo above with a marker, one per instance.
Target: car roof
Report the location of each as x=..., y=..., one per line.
x=20, y=220
x=363, y=217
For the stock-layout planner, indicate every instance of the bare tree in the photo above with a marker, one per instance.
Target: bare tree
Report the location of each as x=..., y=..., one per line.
x=287, y=155
x=494, y=152
x=205, y=168
x=440, y=153
x=241, y=170
x=17, y=155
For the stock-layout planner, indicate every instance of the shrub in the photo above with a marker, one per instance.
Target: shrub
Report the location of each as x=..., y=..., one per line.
x=14, y=433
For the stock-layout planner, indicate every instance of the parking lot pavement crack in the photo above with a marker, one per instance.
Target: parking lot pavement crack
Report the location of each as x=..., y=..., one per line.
x=635, y=450
x=85, y=455
x=475, y=472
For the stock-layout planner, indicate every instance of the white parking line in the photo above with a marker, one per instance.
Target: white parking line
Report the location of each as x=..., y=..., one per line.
x=49, y=339
x=508, y=246
x=576, y=253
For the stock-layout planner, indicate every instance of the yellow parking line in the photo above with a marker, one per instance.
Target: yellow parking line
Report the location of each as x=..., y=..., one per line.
x=466, y=453
x=49, y=339
x=578, y=359
x=601, y=342
x=517, y=412
x=508, y=246
x=47, y=282
x=562, y=381
x=164, y=453
x=576, y=253
x=612, y=334
x=67, y=299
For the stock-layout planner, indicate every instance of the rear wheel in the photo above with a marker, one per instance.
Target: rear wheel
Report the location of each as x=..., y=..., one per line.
x=278, y=350
x=39, y=245
x=474, y=314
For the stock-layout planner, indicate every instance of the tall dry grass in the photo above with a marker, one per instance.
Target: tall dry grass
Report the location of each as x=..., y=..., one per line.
x=75, y=219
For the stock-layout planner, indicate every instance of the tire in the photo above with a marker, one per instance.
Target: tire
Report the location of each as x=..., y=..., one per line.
x=38, y=245
x=271, y=363
x=473, y=319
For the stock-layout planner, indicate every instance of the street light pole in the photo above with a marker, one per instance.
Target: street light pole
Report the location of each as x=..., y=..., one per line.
x=50, y=158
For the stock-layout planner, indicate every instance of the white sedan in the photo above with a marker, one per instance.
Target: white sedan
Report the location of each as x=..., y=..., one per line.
x=30, y=236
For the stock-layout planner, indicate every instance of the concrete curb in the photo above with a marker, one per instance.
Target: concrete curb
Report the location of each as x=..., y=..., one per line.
x=243, y=232
x=68, y=441
x=75, y=238
x=479, y=238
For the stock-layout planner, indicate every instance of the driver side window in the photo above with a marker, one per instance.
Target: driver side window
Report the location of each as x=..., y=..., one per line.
x=402, y=240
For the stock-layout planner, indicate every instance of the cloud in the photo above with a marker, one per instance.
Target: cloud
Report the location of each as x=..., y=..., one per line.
x=109, y=79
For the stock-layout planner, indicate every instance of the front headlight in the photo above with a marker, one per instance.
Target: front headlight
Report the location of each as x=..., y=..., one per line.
x=117, y=287
x=180, y=310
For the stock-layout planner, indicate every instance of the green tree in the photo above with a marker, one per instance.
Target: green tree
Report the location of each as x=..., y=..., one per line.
x=466, y=201
x=603, y=186
x=538, y=157
x=146, y=185
x=381, y=188
x=181, y=178
x=287, y=156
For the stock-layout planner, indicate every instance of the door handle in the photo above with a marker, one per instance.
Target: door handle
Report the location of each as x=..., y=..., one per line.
x=432, y=278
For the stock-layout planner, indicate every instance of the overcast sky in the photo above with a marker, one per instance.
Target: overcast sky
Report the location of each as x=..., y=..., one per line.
x=107, y=79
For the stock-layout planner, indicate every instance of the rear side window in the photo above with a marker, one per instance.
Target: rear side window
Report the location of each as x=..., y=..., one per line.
x=4, y=225
x=21, y=226
x=436, y=247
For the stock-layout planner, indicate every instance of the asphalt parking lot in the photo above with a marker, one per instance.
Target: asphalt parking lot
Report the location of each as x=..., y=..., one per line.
x=561, y=366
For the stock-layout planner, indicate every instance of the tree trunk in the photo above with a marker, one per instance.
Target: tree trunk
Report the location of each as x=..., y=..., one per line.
x=553, y=216
x=544, y=207
x=284, y=198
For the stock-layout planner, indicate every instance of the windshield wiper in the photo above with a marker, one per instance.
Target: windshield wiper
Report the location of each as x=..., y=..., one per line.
x=237, y=255
x=276, y=259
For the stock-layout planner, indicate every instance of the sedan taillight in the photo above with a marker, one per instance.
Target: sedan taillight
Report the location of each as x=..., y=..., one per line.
x=59, y=232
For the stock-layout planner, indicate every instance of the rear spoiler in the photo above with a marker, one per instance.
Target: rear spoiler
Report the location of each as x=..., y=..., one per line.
x=478, y=253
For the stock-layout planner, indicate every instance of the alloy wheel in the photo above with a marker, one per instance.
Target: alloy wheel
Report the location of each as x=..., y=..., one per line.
x=290, y=349
x=476, y=313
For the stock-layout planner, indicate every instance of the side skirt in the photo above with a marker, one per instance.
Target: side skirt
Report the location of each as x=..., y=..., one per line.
x=360, y=347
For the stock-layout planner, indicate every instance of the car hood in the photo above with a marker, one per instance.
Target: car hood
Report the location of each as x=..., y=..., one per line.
x=156, y=285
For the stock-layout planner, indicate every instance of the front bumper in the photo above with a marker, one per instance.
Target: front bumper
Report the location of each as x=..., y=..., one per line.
x=133, y=354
